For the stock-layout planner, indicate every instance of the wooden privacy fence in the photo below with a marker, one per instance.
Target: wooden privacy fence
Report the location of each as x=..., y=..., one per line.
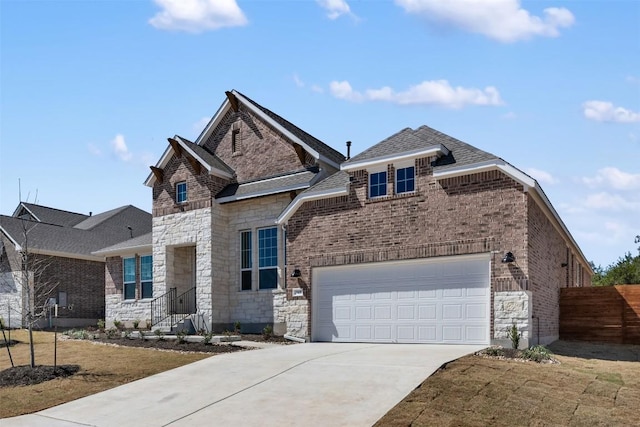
x=601, y=314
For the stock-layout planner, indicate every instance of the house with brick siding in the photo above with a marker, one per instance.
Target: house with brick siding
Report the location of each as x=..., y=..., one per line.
x=421, y=238
x=59, y=246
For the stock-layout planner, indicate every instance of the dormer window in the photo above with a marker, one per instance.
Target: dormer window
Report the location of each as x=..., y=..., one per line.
x=181, y=192
x=377, y=184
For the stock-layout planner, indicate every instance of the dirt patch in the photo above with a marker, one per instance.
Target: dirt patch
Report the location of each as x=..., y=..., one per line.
x=594, y=384
x=26, y=375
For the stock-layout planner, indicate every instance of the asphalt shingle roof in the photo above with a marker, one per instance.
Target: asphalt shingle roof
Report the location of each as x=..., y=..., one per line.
x=50, y=215
x=307, y=138
x=95, y=233
x=273, y=185
x=144, y=240
x=338, y=180
x=210, y=158
x=424, y=137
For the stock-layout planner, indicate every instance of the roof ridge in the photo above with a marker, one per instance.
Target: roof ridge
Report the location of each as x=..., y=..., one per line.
x=53, y=209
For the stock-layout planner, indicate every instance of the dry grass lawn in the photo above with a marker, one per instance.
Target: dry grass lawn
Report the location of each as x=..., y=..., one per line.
x=595, y=385
x=101, y=367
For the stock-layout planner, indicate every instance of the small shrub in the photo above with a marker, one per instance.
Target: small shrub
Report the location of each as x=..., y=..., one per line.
x=136, y=323
x=111, y=333
x=267, y=332
x=207, y=338
x=118, y=324
x=127, y=334
x=101, y=325
x=236, y=326
x=538, y=353
x=182, y=336
x=494, y=351
x=514, y=335
x=159, y=334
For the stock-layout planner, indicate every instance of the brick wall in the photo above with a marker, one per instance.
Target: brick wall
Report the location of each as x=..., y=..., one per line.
x=470, y=214
x=254, y=140
x=200, y=188
x=82, y=280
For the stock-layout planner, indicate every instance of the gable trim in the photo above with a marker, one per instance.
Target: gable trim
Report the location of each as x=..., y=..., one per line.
x=15, y=243
x=437, y=150
x=22, y=205
x=528, y=184
x=308, y=197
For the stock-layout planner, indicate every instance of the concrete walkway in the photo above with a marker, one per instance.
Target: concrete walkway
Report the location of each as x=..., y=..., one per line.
x=316, y=384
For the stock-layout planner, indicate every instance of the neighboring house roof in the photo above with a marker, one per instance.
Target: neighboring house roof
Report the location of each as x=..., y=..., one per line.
x=132, y=246
x=79, y=241
x=48, y=215
x=297, y=180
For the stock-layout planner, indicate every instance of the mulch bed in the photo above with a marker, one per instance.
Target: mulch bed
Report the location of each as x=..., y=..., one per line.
x=26, y=375
x=174, y=345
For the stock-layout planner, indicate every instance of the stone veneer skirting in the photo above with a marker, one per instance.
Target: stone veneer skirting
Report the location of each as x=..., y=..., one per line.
x=126, y=311
x=509, y=308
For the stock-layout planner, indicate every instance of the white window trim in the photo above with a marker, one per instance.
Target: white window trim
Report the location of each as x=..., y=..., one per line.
x=186, y=189
x=141, y=281
x=125, y=283
x=277, y=266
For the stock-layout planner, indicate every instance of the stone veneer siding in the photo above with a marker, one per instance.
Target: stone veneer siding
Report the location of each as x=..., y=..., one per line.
x=116, y=307
x=479, y=213
x=512, y=308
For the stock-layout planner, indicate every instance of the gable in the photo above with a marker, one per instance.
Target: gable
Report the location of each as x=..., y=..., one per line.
x=253, y=149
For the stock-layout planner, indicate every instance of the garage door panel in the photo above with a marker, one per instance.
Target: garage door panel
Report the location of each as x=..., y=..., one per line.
x=428, y=301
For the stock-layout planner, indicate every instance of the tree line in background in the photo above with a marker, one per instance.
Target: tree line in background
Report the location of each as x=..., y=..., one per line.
x=625, y=271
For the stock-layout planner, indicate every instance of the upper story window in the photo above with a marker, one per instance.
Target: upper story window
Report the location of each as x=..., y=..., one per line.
x=181, y=192
x=377, y=184
x=268, y=258
x=129, y=278
x=405, y=180
x=146, y=276
x=245, y=260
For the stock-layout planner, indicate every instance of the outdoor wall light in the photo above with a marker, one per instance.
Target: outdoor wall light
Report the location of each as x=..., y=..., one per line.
x=296, y=273
x=508, y=258
x=564, y=264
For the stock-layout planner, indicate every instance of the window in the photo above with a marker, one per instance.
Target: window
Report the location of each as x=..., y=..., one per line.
x=377, y=184
x=146, y=276
x=129, y=277
x=405, y=180
x=268, y=258
x=245, y=260
x=181, y=192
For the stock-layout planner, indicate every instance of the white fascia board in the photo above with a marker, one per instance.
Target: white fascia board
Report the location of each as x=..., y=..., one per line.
x=212, y=171
x=437, y=150
x=15, y=243
x=302, y=198
x=66, y=255
x=131, y=250
x=527, y=182
x=284, y=131
x=228, y=199
x=217, y=117
x=22, y=205
x=151, y=179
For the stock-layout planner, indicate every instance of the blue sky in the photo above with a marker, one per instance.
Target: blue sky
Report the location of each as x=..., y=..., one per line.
x=90, y=90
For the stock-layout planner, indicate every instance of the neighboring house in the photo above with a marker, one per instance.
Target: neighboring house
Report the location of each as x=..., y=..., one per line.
x=420, y=238
x=62, y=267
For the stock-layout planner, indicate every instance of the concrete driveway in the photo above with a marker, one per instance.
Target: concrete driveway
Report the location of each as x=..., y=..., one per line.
x=304, y=384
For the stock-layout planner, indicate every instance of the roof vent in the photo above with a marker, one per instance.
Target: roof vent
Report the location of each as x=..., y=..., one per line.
x=348, y=150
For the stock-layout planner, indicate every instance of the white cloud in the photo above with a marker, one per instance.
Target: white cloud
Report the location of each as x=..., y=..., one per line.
x=614, y=178
x=195, y=16
x=604, y=111
x=94, y=149
x=120, y=148
x=541, y=176
x=432, y=92
x=335, y=8
x=613, y=202
x=502, y=20
x=297, y=80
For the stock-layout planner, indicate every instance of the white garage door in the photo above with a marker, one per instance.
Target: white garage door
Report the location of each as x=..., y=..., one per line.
x=435, y=300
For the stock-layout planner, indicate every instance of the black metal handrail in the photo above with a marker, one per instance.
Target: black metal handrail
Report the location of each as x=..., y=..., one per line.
x=173, y=306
